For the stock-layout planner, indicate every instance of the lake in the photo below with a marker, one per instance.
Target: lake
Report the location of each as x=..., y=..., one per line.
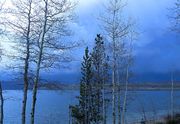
x=52, y=106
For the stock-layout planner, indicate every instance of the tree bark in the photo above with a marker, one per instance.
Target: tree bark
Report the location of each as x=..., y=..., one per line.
x=114, y=71
x=41, y=41
x=113, y=97
x=26, y=68
x=119, y=98
x=104, y=107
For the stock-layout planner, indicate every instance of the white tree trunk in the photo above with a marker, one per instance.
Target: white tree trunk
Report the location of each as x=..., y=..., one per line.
x=172, y=96
x=114, y=70
x=125, y=95
x=119, y=96
x=113, y=95
x=104, y=107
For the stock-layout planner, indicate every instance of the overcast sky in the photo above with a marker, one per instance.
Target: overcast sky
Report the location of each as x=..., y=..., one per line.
x=157, y=49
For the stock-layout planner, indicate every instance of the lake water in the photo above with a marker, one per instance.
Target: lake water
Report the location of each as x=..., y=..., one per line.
x=52, y=106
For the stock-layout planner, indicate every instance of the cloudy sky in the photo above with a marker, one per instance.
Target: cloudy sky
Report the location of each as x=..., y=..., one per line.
x=156, y=51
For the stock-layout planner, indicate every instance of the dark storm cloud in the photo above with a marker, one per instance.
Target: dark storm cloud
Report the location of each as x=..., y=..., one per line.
x=157, y=49
x=162, y=54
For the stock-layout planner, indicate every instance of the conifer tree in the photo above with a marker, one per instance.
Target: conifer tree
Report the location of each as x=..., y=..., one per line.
x=99, y=62
x=92, y=101
x=82, y=113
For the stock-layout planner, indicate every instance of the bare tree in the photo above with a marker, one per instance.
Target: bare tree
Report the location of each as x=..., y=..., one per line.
x=128, y=57
x=116, y=29
x=126, y=90
x=122, y=62
x=19, y=21
x=1, y=22
x=175, y=17
x=1, y=91
x=54, y=16
x=105, y=81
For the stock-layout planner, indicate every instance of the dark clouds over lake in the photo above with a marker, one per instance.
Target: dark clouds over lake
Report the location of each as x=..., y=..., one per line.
x=156, y=51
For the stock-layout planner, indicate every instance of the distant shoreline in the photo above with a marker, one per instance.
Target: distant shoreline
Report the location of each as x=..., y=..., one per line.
x=131, y=86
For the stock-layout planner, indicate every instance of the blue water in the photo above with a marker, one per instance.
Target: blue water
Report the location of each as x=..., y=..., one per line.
x=52, y=106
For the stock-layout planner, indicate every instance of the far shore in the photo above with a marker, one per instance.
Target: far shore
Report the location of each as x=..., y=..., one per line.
x=75, y=86
x=131, y=86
